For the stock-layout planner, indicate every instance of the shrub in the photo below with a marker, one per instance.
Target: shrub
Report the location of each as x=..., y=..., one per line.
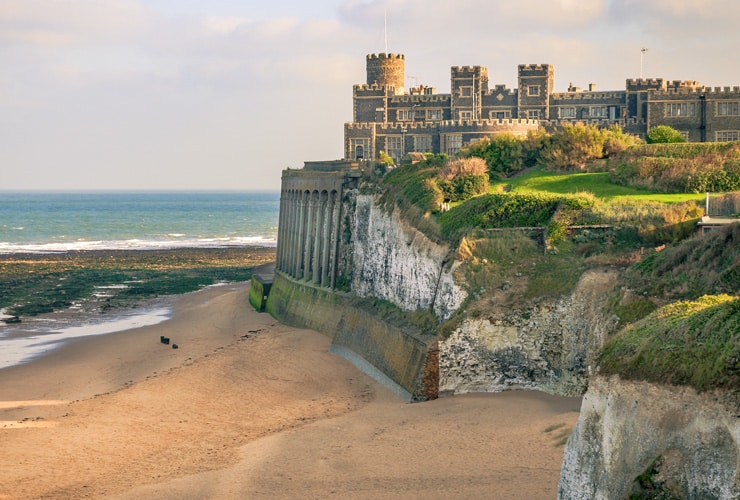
x=679, y=168
x=385, y=159
x=463, y=167
x=664, y=134
x=462, y=188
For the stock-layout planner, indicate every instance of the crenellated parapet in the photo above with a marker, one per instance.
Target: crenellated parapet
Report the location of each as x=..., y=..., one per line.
x=385, y=57
x=641, y=84
x=560, y=97
x=535, y=69
x=360, y=125
x=420, y=99
x=717, y=91
x=374, y=88
x=500, y=89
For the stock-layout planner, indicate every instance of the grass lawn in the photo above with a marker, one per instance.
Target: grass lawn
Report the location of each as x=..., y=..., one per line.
x=537, y=179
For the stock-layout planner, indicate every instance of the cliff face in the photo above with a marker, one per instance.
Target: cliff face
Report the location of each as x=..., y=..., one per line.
x=550, y=346
x=679, y=442
x=395, y=262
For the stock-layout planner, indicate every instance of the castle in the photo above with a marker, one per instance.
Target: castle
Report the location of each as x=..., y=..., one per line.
x=388, y=117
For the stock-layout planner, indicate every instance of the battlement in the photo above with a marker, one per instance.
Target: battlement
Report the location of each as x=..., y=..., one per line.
x=721, y=90
x=535, y=68
x=384, y=56
x=645, y=83
x=374, y=90
x=599, y=122
x=683, y=84
x=501, y=89
x=419, y=98
x=468, y=70
x=358, y=126
x=675, y=92
x=711, y=92
x=491, y=122
x=587, y=96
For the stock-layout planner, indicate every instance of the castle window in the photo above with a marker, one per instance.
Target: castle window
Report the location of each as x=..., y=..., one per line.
x=598, y=112
x=500, y=115
x=533, y=90
x=568, y=112
x=419, y=114
x=360, y=148
x=674, y=109
x=533, y=114
x=393, y=147
x=404, y=115
x=454, y=143
x=466, y=91
x=726, y=135
x=727, y=109
x=434, y=114
x=466, y=115
x=423, y=143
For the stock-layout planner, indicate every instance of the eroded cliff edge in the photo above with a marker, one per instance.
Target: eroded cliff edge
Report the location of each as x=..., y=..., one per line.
x=548, y=345
x=640, y=437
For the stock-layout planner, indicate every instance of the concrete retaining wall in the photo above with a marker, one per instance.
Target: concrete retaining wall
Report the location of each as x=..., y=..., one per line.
x=393, y=356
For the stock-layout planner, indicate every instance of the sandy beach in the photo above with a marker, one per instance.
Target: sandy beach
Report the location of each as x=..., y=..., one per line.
x=249, y=408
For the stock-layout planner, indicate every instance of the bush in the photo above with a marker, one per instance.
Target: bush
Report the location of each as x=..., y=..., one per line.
x=465, y=187
x=506, y=210
x=662, y=134
x=679, y=168
x=463, y=167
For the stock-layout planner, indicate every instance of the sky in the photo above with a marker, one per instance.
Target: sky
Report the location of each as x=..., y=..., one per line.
x=225, y=94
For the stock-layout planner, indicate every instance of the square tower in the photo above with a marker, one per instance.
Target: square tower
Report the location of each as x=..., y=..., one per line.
x=535, y=86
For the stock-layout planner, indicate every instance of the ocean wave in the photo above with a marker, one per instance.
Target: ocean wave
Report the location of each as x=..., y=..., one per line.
x=136, y=244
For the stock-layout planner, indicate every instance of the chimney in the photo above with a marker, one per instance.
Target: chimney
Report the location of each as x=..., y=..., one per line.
x=591, y=87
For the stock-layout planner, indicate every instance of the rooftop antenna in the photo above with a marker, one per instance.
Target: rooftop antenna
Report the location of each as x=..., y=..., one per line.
x=385, y=28
x=642, y=53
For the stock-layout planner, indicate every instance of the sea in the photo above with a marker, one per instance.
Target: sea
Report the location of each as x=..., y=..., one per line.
x=43, y=222
x=50, y=222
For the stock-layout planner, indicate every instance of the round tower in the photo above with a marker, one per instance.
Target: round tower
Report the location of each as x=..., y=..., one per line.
x=386, y=69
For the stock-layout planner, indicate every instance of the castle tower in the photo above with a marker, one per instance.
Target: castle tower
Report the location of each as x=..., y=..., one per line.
x=535, y=86
x=386, y=69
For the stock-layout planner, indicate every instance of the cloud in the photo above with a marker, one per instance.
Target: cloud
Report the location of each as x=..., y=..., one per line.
x=50, y=23
x=225, y=24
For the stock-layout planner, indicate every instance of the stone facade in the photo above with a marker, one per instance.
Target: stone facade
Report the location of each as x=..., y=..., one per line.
x=313, y=220
x=388, y=117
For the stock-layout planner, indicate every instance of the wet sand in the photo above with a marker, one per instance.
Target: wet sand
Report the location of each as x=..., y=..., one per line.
x=249, y=408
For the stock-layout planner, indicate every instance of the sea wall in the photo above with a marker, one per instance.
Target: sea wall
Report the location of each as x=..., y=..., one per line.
x=680, y=443
x=395, y=262
x=550, y=345
x=396, y=356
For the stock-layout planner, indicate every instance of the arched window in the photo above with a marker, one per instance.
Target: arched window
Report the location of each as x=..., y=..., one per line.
x=359, y=153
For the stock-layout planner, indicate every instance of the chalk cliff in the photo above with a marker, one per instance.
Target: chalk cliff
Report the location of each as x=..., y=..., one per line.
x=638, y=437
x=394, y=261
x=549, y=346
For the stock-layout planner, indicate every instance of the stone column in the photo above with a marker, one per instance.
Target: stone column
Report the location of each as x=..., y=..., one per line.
x=308, y=236
x=336, y=235
x=319, y=243
x=326, y=237
x=281, y=238
x=300, y=235
x=290, y=223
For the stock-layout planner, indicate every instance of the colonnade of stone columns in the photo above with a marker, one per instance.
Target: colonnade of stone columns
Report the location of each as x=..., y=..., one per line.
x=308, y=235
